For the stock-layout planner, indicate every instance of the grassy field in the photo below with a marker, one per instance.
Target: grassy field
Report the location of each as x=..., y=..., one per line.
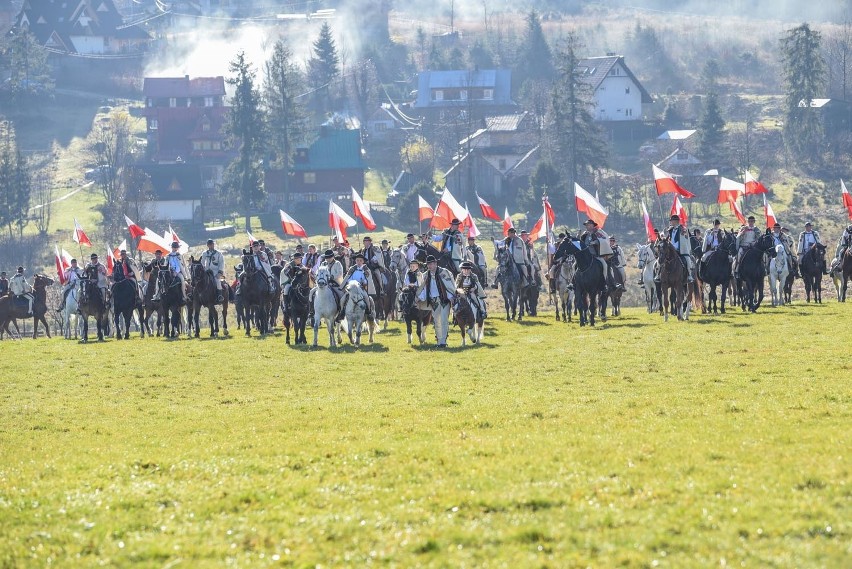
x=718, y=442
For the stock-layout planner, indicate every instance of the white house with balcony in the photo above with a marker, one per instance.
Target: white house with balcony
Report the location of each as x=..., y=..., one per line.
x=618, y=95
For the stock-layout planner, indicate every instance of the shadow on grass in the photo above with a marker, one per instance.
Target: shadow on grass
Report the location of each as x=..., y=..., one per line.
x=531, y=323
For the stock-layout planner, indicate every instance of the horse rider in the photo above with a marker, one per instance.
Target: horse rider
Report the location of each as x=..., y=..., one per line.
x=808, y=239
x=175, y=265
x=376, y=262
x=294, y=269
x=519, y=255
x=341, y=252
x=747, y=237
x=157, y=261
x=780, y=238
x=214, y=263
x=71, y=276
x=386, y=251
x=679, y=237
x=468, y=282
x=268, y=252
x=129, y=270
x=410, y=279
x=842, y=246
x=410, y=248
x=535, y=265
x=335, y=271
x=278, y=259
x=4, y=284
x=617, y=263
x=360, y=273
x=553, y=264
x=311, y=259
x=21, y=289
x=598, y=241
x=262, y=262
x=451, y=239
x=436, y=291
x=477, y=257
x=712, y=240
x=101, y=271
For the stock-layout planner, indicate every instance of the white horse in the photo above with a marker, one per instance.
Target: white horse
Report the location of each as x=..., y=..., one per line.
x=564, y=289
x=325, y=308
x=778, y=273
x=647, y=264
x=70, y=319
x=355, y=311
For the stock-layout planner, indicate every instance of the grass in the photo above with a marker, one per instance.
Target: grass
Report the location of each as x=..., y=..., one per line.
x=549, y=445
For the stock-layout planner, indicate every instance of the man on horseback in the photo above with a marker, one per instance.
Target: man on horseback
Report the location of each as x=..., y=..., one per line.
x=712, y=240
x=174, y=263
x=72, y=277
x=842, y=246
x=214, y=263
x=808, y=239
x=360, y=273
x=518, y=254
x=469, y=284
x=261, y=261
x=451, y=242
x=21, y=289
x=410, y=279
x=554, y=264
x=376, y=263
x=781, y=239
x=535, y=265
x=129, y=270
x=294, y=270
x=477, y=257
x=746, y=238
x=335, y=271
x=679, y=238
x=617, y=264
x=311, y=258
x=595, y=239
x=435, y=292
x=101, y=272
x=409, y=248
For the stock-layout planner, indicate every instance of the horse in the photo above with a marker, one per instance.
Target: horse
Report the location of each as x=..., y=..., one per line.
x=388, y=299
x=150, y=306
x=275, y=297
x=468, y=318
x=565, y=289
x=846, y=274
x=715, y=272
x=751, y=270
x=647, y=265
x=615, y=294
x=812, y=268
x=510, y=285
x=13, y=308
x=443, y=257
x=778, y=273
x=589, y=280
x=355, y=312
x=673, y=277
x=124, y=300
x=205, y=293
x=411, y=313
x=69, y=313
x=91, y=303
x=325, y=308
x=256, y=296
x=297, y=307
x=171, y=301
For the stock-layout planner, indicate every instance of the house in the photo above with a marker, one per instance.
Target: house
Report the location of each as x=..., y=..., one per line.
x=178, y=191
x=835, y=114
x=617, y=94
x=8, y=10
x=443, y=95
x=89, y=27
x=384, y=124
x=328, y=169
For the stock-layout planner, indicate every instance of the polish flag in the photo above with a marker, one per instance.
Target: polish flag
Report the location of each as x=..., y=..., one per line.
x=339, y=220
x=472, y=229
x=425, y=211
x=771, y=220
x=730, y=190
x=135, y=230
x=116, y=253
x=184, y=247
x=649, y=226
x=487, y=211
x=737, y=211
x=752, y=186
x=666, y=184
x=61, y=265
x=678, y=210
x=438, y=221
x=847, y=199
x=79, y=235
x=362, y=211
x=587, y=204
x=251, y=238
x=291, y=226
x=110, y=261
x=151, y=241
x=507, y=223
x=548, y=209
x=449, y=208
x=539, y=230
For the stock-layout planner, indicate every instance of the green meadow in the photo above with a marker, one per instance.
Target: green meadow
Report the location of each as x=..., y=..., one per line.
x=719, y=442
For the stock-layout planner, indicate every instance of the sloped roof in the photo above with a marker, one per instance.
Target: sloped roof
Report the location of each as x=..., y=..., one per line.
x=158, y=87
x=462, y=78
x=335, y=149
x=175, y=181
x=505, y=123
x=500, y=80
x=676, y=134
x=593, y=70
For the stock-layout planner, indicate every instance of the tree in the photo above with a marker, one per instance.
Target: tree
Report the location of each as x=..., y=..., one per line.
x=323, y=67
x=535, y=60
x=243, y=177
x=109, y=147
x=711, y=125
x=579, y=141
x=545, y=179
x=15, y=183
x=418, y=157
x=25, y=63
x=838, y=51
x=804, y=81
x=408, y=206
x=284, y=113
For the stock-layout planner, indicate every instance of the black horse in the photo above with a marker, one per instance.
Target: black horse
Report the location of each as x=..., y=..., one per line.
x=171, y=300
x=589, y=280
x=150, y=306
x=124, y=301
x=812, y=269
x=752, y=271
x=12, y=308
x=410, y=312
x=256, y=295
x=297, y=307
x=92, y=303
x=510, y=282
x=443, y=257
x=205, y=293
x=715, y=271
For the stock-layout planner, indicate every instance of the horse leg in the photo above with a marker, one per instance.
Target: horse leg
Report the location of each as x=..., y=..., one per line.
x=408, y=329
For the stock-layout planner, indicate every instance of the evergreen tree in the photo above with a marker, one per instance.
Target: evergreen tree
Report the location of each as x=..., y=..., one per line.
x=804, y=81
x=284, y=114
x=323, y=67
x=545, y=179
x=22, y=188
x=243, y=178
x=480, y=56
x=535, y=60
x=24, y=61
x=711, y=132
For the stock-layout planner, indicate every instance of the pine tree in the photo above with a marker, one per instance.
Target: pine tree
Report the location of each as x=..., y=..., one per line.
x=711, y=125
x=22, y=187
x=323, y=67
x=284, y=114
x=535, y=60
x=804, y=81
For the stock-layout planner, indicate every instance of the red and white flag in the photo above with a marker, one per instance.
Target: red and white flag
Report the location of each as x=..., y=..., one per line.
x=116, y=253
x=110, y=260
x=666, y=184
x=438, y=221
x=61, y=265
x=362, y=211
x=80, y=235
x=449, y=208
x=539, y=229
x=184, y=246
x=737, y=212
x=649, y=226
x=472, y=230
x=339, y=220
x=752, y=186
x=291, y=226
x=548, y=210
x=847, y=199
x=251, y=238
x=507, y=223
x=151, y=242
x=771, y=220
x=730, y=190
x=135, y=230
x=587, y=204
x=425, y=211
x=487, y=211
x=678, y=210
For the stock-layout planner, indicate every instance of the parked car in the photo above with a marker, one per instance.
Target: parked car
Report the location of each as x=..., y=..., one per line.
x=98, y=173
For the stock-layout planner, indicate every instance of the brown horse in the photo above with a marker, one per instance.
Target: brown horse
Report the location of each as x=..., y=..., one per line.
x=12, y=308
x=846, y=273
x=468, y=318
x=673, y=278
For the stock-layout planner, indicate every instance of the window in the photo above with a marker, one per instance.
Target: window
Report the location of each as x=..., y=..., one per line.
x=152, y=124
x=208, y=101
x=627, y=90
x=502, y=164
x=381, y=127
x=310, y=178
x=205, y=127
x=488, y=94
x=217, y=145
x=172, y=102
x=437, y=95
x=629, y=112
x=311, y=198
x=463, y=95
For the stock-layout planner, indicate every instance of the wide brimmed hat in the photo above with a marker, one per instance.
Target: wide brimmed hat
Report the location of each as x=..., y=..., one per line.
x=359, y=256
x=590, y=222
x=674, y=217
x=328, y=254
x=466, y=265
x=431, y=259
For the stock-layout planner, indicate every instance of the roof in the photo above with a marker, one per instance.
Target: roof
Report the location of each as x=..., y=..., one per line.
x=505, y=123
x=171, y=182
x=690, y=159
x=500, y=80
x=593, y=70
x=384, y=114
x=462, y=78
x=676, y=134
x=177, y=127
x=158, y=87
x=335, y=149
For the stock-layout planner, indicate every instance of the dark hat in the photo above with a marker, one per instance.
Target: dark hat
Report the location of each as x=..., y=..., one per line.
x=466, y=265
x=334, y=238
x=298, y=255
x=20, y=269
x=750, y=218
x=590, y=222
x=94, y=256
x=368, y=238
x=384, y=241
x=239, y=267
x=255, y=243
x=717, y=222
x=328, y=254
x=210, y=241
x=561, y=236
x=808, y=223
x=431, y=259
x=525, y=232
x=512, y=230
x=160, y=251
x=359, y=255
x=123, y=251
x=455, y=221
x=469, y=237
x=2, y=273
x=409, y=235
x=415, y=260
x=262, y=242
x=776, y=224
x=175, y=244
x=298, y=245
x=674, y=217
x=612, y=237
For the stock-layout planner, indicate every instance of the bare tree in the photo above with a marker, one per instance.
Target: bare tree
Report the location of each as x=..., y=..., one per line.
x=838, y=58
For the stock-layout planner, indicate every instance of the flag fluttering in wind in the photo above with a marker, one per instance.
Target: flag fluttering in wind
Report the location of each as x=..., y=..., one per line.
x=135, y=230
x=487, y=211
x=472, y=230
x=116, y=253
x=649, y=226
x=548, y=210
x=847, y=199
x=362, y=211
x=62, y=263
x=678, y=210
x=291, y=226
x=251, y=238
x=539, y=229
x=425, y=211
x=110, y=260
x=737, y=212
x=80, y=235
x=771, y=220
x=507, y=223
x=752, y=186
x=449, y=208
x=587, y=204
x=666, y=184
x=339, y=220
x=730, y=190
x=151, y=242
x=184, y=246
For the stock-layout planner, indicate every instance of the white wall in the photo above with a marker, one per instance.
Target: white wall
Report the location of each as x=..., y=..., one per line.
x=88, y=44
x=613, y=103
x=175, y=209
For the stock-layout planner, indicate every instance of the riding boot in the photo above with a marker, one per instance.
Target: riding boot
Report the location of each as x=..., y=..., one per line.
x=342, y=312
